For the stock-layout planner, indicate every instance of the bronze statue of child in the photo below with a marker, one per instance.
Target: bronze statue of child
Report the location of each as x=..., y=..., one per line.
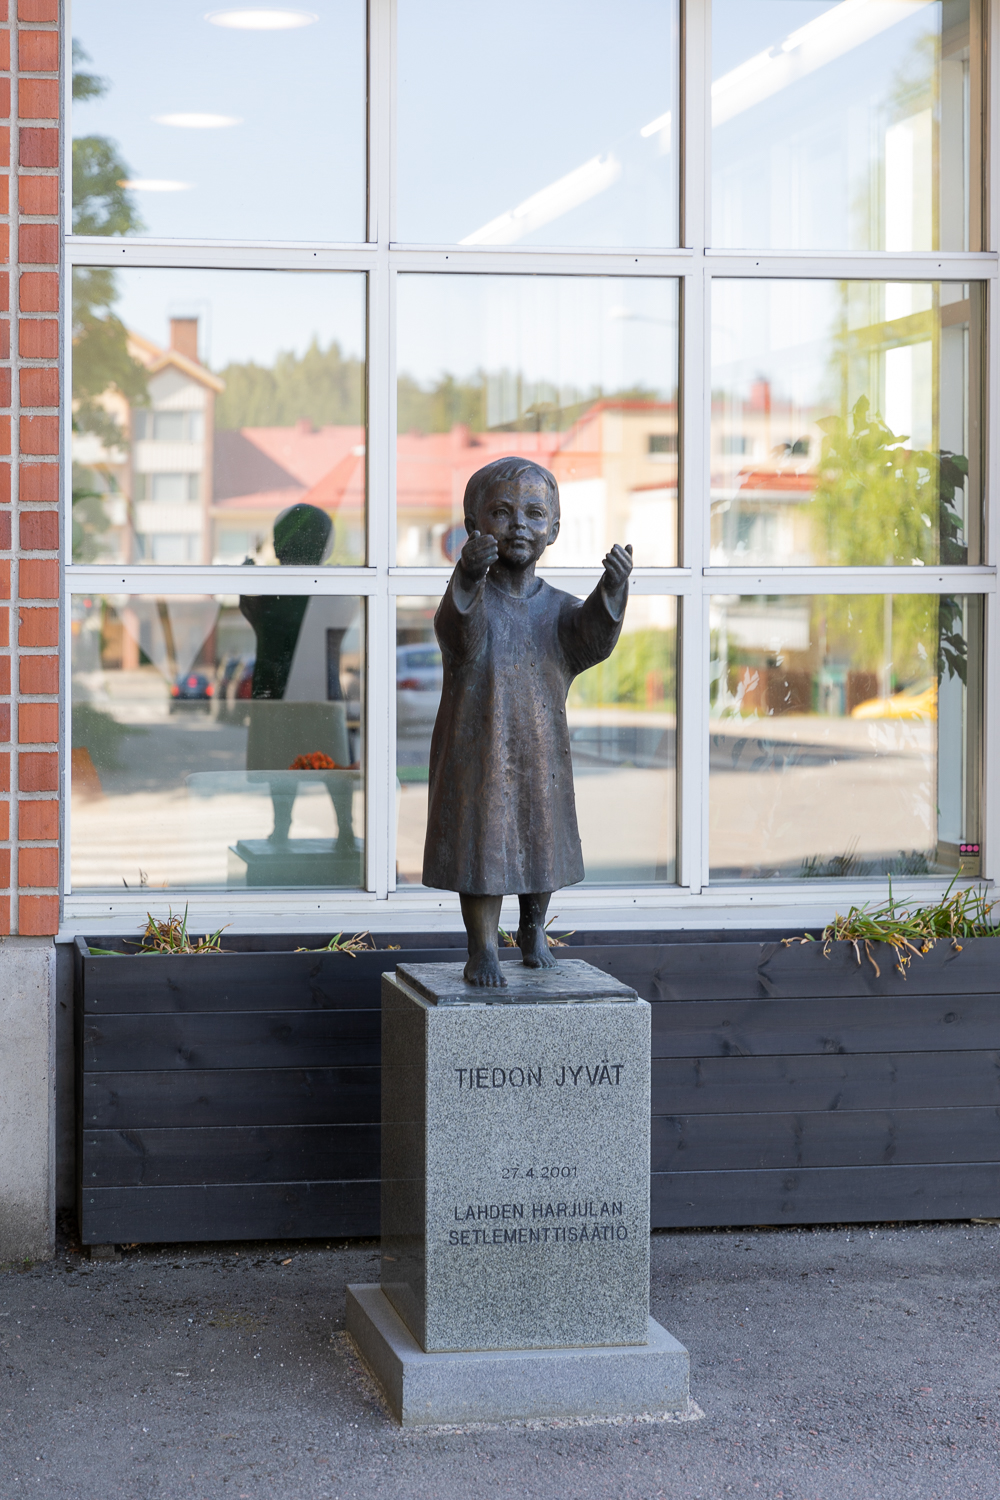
x=502, y=815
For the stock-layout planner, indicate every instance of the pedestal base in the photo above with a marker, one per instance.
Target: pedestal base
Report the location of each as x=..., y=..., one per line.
x=514, y=1385
x=298, y=862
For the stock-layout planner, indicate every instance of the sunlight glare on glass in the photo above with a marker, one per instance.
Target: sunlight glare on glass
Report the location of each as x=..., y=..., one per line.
x=154, y=185
x=662, y=122
x=261, y=20
x=550, y=203
x=830, y=35
x=198, y=121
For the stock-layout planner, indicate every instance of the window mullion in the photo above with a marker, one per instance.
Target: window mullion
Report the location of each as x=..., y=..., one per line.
x=696, y=105
x=695, y=411
x=850, y=580
x=692, y=741
x=380, y=422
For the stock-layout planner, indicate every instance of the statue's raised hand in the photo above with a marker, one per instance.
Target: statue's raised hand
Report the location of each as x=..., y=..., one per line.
x=478, y=556
x=617, y=567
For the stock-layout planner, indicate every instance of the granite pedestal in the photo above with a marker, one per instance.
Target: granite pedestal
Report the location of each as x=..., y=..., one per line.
x=515, y=1201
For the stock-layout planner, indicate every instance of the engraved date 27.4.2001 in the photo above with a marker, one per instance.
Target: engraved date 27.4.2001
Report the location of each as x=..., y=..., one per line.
x=542, y=1173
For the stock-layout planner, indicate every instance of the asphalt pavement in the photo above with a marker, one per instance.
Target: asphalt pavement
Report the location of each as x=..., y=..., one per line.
x=843, y=1363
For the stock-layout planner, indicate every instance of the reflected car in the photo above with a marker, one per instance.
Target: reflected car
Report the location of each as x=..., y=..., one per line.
x=918, y=701
x=193, y=690
x=419, y=679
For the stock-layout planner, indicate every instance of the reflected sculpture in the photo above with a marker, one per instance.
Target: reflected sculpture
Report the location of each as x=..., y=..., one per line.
x=297, y=703
x=502, y=814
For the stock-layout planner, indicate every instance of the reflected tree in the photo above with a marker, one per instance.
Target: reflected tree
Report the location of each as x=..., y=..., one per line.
x=322, y=386
x=641, y=672
x=877, y=499
x=101, y=360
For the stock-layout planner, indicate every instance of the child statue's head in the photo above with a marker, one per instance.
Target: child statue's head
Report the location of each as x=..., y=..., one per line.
x=517, y=502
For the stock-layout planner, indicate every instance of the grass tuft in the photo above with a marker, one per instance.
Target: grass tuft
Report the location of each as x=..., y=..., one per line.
x=170, y=935
x=361, y=942
x=911, y=931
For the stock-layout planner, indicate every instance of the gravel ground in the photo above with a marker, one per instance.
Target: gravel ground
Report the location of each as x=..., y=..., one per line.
x=846, y=1363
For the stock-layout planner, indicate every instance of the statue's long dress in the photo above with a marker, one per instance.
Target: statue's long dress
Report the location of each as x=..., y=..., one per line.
x=502, y=815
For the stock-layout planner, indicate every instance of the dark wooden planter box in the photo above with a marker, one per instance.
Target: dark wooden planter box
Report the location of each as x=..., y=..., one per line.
x=789, y=1088
x=229, y=1097
x=238, y=1097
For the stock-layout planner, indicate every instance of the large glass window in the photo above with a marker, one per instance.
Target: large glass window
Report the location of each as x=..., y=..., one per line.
x=844, y=125
x=543, y=123
x=577, y=372
x=846, y=422
x=209, y=407
x=217, y=741
x=718, y=265
x=176, y=119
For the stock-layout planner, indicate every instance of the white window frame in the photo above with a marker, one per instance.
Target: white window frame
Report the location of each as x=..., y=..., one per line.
x=692, y=902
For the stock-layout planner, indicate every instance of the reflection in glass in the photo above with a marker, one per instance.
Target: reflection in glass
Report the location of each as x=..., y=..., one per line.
x=204, y=122
x=578, y=373
x=840, y=124
x=206, y=403
x=845, y=422
x=622, y=717
x=219, y=741
x=844, y=736
x=538, y=122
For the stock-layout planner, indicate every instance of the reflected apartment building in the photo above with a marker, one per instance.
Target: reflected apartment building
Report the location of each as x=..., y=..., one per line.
x=155, y=491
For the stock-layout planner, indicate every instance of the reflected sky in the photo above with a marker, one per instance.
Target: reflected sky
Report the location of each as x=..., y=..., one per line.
x=245, y=315
x=840, y=125
x=301, y=84
x=555, y=97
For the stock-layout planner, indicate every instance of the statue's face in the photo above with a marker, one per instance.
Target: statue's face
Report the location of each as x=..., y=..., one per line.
x=519, y=515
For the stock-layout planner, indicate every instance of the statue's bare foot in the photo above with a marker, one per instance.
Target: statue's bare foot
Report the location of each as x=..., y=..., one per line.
x=534, y=946
x=484, y=969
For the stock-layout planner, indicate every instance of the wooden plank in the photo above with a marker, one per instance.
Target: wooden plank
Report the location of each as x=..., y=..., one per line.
x=233, y=1039
x=288, y=1210
x=749, y=971
x=904, y=1137
x=888, y=1080
x=826, y=1195
x=214, y=1154
x=246, y=1096
x=243, y=981
x=664, y=971
x=748, y=1028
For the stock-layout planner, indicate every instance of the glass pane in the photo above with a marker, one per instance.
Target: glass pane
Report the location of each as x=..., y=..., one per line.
x=219, y=121
x=857, y=720
x=622, y=718
x=843, y=125
x=845, y=422
x=538, y=122
x=218, y=416
x=217, y=741
x=578, y=373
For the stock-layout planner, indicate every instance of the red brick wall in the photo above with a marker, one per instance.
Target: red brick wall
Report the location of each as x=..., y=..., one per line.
x=30, y=378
